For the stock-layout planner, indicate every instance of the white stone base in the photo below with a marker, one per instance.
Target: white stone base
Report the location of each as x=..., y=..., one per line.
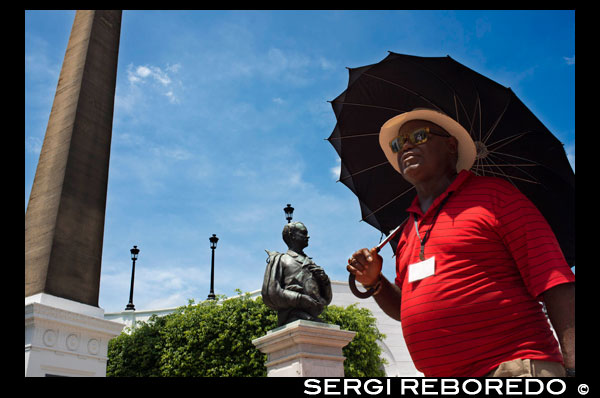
x=65, y=338
x=305, y=349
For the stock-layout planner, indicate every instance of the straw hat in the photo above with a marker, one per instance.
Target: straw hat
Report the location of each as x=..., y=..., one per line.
x=466, y=146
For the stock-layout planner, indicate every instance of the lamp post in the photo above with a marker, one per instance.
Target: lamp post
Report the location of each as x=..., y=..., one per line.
x=134, y=255
x=213, y=245
x=289, y=211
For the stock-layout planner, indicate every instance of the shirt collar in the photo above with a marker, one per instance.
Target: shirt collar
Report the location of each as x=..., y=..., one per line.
x=292, y=253
x=460, y=179
x=295, y=254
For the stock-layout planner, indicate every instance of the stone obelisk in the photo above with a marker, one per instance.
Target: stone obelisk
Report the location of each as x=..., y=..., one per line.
x=65, y=330
x=64, y=221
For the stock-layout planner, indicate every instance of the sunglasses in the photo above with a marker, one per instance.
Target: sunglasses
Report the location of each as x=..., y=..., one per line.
x=417, y=137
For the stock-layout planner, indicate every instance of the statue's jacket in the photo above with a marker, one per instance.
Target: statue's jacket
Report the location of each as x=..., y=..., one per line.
x=289, y=274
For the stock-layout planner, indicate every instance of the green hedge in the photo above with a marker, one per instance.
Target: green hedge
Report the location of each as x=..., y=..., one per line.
x=214, y=339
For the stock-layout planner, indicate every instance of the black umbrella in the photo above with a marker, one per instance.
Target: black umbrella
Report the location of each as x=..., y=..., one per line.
x=511, y=142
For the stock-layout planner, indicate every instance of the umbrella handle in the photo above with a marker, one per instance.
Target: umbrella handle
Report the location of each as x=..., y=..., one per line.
x=355, y=291
x=352, y=278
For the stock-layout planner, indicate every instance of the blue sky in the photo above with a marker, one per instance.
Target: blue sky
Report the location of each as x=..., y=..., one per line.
x=221, y=118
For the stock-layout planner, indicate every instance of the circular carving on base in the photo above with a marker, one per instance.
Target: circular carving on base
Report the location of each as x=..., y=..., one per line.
x=93, y=346
x=72, y=342
x=50, y=337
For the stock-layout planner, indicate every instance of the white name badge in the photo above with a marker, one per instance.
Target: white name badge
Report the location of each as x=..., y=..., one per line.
x=421, y=270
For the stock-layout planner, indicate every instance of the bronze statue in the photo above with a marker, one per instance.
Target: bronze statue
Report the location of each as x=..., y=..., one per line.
x=294, y=285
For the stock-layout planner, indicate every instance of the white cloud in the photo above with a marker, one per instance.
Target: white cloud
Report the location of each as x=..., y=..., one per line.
x=173, y=300
x=281, y=65
x=482, y=26
x=290, y=66
x=164, y=286
x=172, y=153
x=134, y=79
x=155, y=170
x=325, y=63
x=143, y=71
x=33, y=144
x=570, y=60
x=173, y=68
x=150, y=73
x=336, y=170
x=171, y=96
x=160, y=76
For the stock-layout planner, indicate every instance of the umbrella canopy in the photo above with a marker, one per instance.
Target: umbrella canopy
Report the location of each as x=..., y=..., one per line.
x=511, y=141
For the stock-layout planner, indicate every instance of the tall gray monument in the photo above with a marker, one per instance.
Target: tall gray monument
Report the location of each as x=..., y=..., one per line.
x=64, y=221
x=65, y=330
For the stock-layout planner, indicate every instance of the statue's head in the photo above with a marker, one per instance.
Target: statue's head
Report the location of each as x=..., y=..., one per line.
x=295, y=236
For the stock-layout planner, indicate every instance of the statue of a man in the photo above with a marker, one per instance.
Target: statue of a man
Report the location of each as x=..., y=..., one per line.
x=294, y=285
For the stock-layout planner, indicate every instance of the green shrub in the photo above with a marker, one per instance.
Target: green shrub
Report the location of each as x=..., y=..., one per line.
x=362, y=353
x=138, y=353
x=214, y=338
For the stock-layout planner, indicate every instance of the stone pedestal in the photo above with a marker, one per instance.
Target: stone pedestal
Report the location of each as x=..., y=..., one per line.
x=305, y=349
x=65, y=337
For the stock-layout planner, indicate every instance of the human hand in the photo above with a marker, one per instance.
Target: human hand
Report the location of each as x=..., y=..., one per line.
x=305, y=302
x=366, y=266
x=319, y=274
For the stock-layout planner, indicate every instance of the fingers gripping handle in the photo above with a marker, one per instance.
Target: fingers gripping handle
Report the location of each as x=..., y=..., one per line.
x=352, y=277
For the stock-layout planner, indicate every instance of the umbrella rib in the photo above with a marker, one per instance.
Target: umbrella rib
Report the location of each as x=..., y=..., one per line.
x=518, y=167
x=456, y=108
x=514, y=156
x=384, y=205
x=362, y=171
x=370, y=106
x=511, y=139
x=354, y=136
x=509, y=178
x=501, y=173
x=420, y=66
x=479, y=105
x=464, y=110
x=476, y=167
x=474, y=114
x=425, y=98
x=509, y=165
x=489, y=133
x=481, y=163
x=402, y=87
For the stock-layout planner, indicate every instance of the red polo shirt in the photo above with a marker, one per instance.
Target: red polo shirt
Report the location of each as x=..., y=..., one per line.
x=495, y=254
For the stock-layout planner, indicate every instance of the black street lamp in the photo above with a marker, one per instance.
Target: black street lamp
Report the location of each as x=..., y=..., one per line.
x=289, y=211
x=213, y=245
x=134, y=255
